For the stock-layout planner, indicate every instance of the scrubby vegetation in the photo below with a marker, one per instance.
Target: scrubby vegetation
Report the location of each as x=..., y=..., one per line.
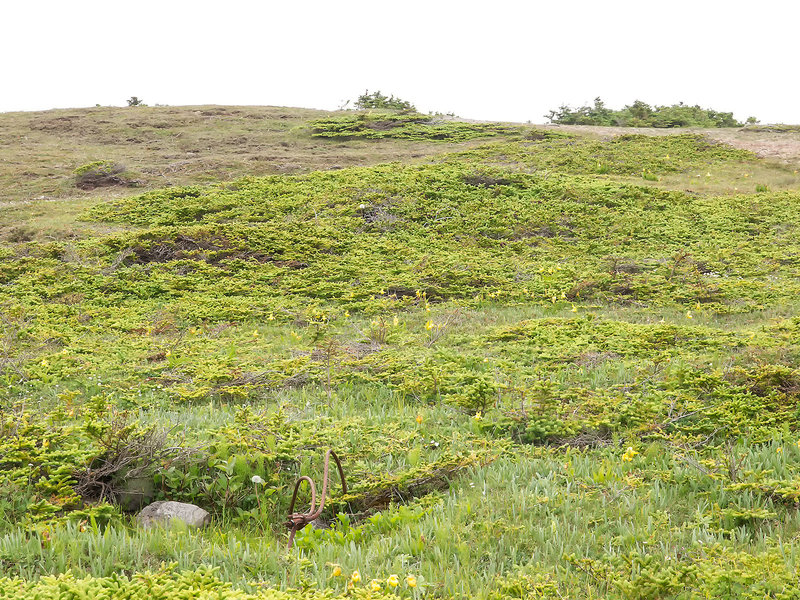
x=377, y=100
x=549, y=373
x=101, y=173
x=641, y=114
x=406, y=126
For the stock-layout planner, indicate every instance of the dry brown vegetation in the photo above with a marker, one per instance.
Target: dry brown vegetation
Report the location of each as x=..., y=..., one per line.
x=161, y=146
x=173, y=146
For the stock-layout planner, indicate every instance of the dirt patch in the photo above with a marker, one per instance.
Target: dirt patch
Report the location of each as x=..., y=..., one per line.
x=55, y=124
x=485, y=181
x=212, y=250
x=784, y=148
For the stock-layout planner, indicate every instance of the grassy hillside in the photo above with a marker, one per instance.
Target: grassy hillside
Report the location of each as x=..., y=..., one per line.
x=555, y=364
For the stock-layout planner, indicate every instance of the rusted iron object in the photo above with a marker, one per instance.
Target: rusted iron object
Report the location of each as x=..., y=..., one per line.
x=299, y=520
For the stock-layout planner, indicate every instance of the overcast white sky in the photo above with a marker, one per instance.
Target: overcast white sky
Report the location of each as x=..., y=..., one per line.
x=501, y=60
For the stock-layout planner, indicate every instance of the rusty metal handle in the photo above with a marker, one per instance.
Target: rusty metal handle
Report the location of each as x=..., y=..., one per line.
x=299, y=520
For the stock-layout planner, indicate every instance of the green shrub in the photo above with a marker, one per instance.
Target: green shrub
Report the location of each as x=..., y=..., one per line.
x=377, y=100
x=96, y=166
x=641, y=114
x=101, y=173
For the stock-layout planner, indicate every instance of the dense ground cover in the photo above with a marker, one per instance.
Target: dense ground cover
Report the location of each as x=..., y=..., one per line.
x=406, y=126
x=549, y=371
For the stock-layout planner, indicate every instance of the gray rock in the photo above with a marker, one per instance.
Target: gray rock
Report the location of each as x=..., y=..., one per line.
x=165, y=513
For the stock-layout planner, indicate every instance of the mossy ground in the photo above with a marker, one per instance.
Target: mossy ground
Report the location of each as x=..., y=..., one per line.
x=550, y=369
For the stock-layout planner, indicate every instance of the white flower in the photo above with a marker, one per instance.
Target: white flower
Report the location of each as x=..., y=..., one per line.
x=256, y=479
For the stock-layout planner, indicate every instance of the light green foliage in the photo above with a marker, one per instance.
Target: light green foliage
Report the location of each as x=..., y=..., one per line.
x=165, y=584
x=630, y=154
x=95, y=166
x=544, y=380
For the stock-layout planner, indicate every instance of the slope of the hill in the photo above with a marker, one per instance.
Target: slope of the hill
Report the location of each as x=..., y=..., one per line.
x=556, y=364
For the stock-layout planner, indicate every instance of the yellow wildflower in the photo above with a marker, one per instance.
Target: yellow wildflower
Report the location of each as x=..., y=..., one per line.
x=355, y=577
x=411, y=581
x=689, y=314
x=779, y=450
x=346, y=314
x=419, y=420
x=478, y=416
x=375, y=585
x=393, y=581
x=429, y=325
x=337, y=571
x=574, y=308
x=629, y=454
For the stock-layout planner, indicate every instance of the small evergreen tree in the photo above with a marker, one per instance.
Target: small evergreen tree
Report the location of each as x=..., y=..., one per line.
x=378, y=100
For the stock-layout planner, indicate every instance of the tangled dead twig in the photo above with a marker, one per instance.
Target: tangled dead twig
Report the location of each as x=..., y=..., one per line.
x=127, y=454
